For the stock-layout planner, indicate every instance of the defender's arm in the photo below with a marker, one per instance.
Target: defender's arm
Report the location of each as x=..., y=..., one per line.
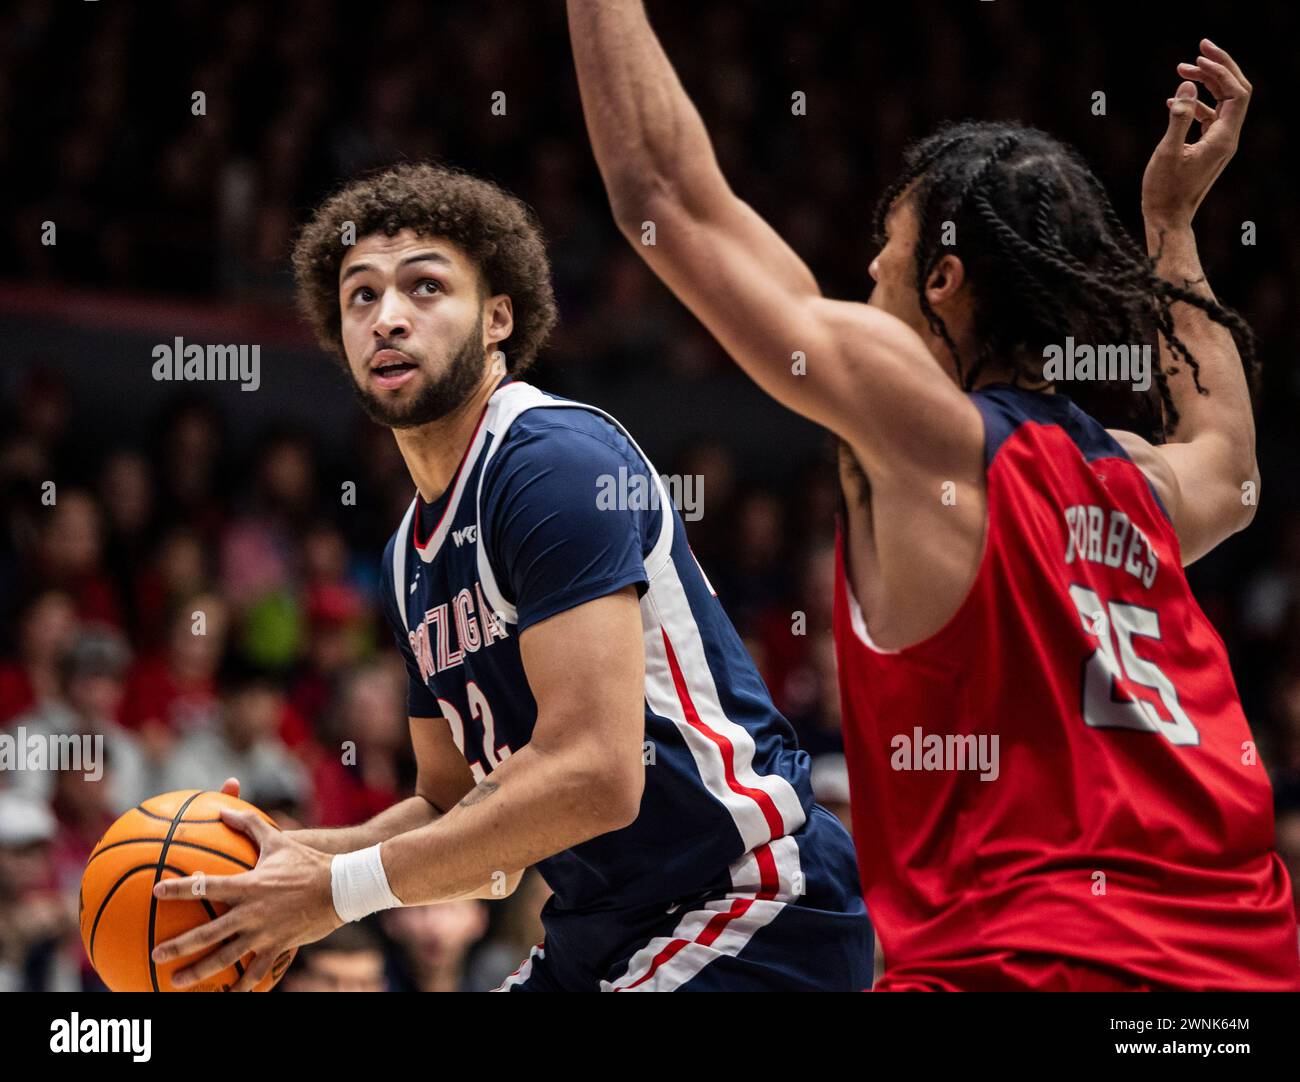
x=864, y=374
x=1208, y=470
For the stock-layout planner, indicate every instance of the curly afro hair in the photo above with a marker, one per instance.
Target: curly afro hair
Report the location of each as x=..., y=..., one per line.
x=497, y=230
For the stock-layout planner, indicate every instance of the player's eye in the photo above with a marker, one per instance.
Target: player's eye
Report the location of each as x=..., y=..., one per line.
x=427, y=287
x=363, y=294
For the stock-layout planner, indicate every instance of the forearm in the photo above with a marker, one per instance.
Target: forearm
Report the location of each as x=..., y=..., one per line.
x=645, y=133
x=401, y=818
x=533, y=806
x=409, y=814
x=1226, y=410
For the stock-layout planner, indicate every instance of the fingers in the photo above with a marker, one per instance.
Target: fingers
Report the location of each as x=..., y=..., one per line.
x=1215, y=53
x=1182, y=111
x=211, y=964
x=1204, y=114
x=254, y=973
x=216, y=888
x=1221, y=75
x=1220, y=82
x=250, y=823
x=230, y=787
x=196, y=939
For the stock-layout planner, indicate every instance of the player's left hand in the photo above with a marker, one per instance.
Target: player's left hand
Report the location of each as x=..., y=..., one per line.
x=284, y=902
x=1180, y=173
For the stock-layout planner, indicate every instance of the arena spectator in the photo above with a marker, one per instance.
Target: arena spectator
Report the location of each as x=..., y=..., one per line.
x=46, y=626
x=432, y=944
x=37, y=920
x=349, y=959
x=92, y=672
x=174, y=691
x=366, y=764
x=244, y=744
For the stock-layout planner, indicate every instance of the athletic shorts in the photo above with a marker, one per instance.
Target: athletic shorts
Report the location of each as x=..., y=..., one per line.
x=793, y=921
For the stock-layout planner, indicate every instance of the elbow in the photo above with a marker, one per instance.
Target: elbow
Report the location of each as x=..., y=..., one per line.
x=506, y=886
x=1247, y=498
x=1238, y=501
x=638, y=201
x=619, y=797
x=630, y=208
x=610, y=795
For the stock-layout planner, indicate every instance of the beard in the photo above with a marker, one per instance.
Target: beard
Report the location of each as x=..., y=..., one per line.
x=435, y=398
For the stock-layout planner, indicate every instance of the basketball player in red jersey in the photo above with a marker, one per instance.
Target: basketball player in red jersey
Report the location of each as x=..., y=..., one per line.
x=1054, y=785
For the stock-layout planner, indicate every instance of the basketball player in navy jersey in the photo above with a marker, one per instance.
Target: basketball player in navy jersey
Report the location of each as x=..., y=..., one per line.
x=578, y=699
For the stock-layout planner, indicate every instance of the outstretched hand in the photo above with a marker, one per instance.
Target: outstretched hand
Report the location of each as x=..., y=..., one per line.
x=1181, y=173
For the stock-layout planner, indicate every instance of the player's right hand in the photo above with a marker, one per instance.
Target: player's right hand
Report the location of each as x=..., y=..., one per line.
x=230, y=787
x=1180, y=173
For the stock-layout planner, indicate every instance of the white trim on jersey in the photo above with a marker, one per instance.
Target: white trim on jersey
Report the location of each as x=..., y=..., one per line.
x=503, y=408
x=859, y=622
x=439, y=535
x=524, y=971
x=399, y=564
x=764, y=882
x=762, y=806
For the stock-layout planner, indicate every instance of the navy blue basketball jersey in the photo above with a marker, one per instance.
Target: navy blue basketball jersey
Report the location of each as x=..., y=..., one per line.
x=546, y=512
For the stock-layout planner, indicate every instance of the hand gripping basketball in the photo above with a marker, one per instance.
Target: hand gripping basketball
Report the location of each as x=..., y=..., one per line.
x=180, y=837
x=280, y=904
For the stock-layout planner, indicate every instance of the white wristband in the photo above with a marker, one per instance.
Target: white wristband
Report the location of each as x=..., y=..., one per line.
x=359, y=884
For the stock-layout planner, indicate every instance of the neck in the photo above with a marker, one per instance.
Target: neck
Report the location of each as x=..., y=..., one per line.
x=1000, y=373
x=433, y=451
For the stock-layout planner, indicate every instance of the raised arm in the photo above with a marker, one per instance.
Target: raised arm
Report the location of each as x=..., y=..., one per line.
x=1209, y=470
x=856, y=370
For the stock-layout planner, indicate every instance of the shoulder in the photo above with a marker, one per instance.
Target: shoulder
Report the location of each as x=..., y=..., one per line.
x=563, y=424
x=558, y=442
x=1154, y=466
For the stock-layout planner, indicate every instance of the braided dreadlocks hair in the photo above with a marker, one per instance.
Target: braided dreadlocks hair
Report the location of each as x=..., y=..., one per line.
x=1046, y=256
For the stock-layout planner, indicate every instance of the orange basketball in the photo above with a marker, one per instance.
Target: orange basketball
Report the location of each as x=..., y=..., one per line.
x=176, y=834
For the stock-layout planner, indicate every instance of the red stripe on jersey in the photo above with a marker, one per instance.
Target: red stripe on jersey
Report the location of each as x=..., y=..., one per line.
x=768, y=891
x=769, y=809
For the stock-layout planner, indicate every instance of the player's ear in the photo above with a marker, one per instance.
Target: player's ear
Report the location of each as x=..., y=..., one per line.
x=945, y=280
x=498, y=318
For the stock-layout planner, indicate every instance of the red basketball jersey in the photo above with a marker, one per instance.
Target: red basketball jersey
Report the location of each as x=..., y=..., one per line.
x=1063, y=772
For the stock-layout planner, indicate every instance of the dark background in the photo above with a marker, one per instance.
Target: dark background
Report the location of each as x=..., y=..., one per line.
x=173, y=224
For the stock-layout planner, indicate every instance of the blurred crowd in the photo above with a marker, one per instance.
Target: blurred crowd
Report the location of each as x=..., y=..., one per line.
x=209, y=606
